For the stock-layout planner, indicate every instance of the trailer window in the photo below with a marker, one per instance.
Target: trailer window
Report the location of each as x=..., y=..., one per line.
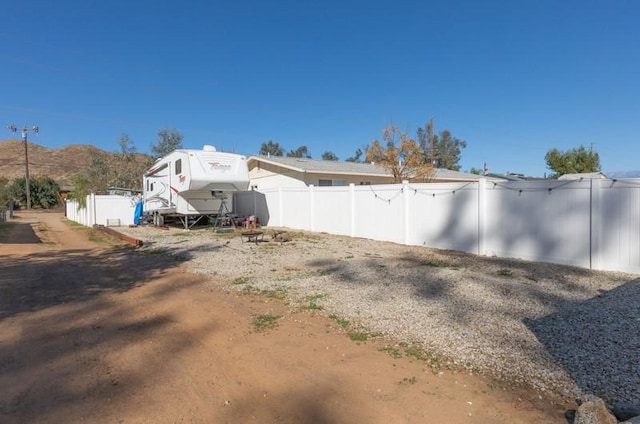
x=179, y=166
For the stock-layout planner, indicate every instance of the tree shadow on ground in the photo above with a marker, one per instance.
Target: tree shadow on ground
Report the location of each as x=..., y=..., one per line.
x=60, y=322
x=40, y=280
x=20, y=234
x=306, y=404
x=61, y=360
x=595, y=338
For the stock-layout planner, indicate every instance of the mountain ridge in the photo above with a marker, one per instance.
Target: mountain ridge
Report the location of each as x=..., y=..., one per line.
x=61, y=164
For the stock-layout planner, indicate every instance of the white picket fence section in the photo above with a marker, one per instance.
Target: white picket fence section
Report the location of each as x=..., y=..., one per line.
x=590, y=223
x=110, y=211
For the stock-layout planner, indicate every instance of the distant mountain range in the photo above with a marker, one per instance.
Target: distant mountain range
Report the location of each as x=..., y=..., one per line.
x=623, y=174
x=60, y=164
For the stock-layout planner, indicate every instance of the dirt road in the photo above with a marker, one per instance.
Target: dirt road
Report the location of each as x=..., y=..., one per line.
x=95, y=332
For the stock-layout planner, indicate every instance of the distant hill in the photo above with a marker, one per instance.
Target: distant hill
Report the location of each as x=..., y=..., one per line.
x=624, y=174
x=60, y=164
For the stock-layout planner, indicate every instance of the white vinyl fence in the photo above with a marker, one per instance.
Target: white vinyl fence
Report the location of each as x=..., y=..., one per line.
x=587, y=223
x=110, y=211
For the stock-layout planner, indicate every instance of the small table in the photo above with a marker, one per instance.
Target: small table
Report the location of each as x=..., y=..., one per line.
x=254, y=236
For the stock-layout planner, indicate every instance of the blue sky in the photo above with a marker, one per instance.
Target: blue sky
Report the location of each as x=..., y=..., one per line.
x=512, y=78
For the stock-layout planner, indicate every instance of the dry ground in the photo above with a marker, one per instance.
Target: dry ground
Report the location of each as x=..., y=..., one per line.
x=91, y=331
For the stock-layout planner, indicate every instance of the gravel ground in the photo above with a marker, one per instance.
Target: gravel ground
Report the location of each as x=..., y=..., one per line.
x=563, y=330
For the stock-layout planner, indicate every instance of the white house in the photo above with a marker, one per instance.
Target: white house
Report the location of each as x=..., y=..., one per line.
x=277, y=171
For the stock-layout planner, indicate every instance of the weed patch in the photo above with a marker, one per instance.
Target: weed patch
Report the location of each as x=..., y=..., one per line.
x=240, y=280
x=265, y=322
x=505, y=272
x=340, y=321
x=359, y=336
x=312, y=302
x=392, y=351
x=432, y=361
x=279, y=293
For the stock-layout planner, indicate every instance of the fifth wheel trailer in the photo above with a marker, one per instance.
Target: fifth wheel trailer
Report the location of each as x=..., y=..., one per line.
x=189, y=184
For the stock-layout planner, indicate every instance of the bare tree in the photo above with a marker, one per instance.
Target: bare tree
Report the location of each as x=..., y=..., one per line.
x=400, y=155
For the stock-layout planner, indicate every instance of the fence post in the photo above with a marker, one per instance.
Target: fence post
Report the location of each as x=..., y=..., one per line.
x=482, y=215
x=352, y=209
x=595, y=221
x=407, y=214
x=280, y=207
x=312, y=215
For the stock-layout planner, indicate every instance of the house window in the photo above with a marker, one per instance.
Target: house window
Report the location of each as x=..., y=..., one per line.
x=325, y=183
x=179, y=166
x=365, y=182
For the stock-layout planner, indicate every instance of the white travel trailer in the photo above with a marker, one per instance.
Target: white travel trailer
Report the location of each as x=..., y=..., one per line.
x=189, y=184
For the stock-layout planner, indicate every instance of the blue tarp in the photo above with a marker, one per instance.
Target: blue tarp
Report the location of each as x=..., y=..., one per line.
x=137, y=214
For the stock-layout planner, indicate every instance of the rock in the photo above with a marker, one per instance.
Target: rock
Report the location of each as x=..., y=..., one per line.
x=626, y=410
x=633, y=420
x=594, y=411
x=281, y=236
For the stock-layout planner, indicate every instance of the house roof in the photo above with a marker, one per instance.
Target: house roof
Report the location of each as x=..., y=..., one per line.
x=353, y=168
x=322, y=166
x=583, y=176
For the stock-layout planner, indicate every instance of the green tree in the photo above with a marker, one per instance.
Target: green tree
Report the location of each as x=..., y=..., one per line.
x=400, y=155
x=45, y=193
x=130, y=165
x=270, y=148
x=17, y=191
x=475, y=171
x=446, y=148
x=329, y=156
x=447, y=151
x=80, y=190
x=5, y=197
x=300, y=152
x=42, y=190
x=356, y=156
x=573, y=161
x=168, y=141
x=99, y=173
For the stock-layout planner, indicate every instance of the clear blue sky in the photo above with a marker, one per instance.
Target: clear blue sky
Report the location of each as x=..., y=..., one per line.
x=512, y=78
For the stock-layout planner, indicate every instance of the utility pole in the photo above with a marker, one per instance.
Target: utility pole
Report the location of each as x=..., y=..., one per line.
x=35, y=129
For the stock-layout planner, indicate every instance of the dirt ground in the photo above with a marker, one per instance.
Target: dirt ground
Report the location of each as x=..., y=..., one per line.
x=91, y=331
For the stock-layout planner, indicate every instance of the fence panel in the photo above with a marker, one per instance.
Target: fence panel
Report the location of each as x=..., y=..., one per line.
x=102, y=210
x=444, y=215
x=378, y=212
x=617, y=235
x=331, y=211
x=539, y=221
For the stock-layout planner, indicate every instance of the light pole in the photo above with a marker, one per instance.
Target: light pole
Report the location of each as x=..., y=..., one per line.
x=35, y=129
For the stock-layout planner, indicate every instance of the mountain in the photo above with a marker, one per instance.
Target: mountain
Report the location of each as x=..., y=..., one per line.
x=624, y=174
x=61, y=164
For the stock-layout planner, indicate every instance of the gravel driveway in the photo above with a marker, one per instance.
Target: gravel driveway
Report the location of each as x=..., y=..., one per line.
x=558, y=329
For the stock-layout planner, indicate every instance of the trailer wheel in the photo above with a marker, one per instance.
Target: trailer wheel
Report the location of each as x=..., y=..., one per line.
x=160, y=220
